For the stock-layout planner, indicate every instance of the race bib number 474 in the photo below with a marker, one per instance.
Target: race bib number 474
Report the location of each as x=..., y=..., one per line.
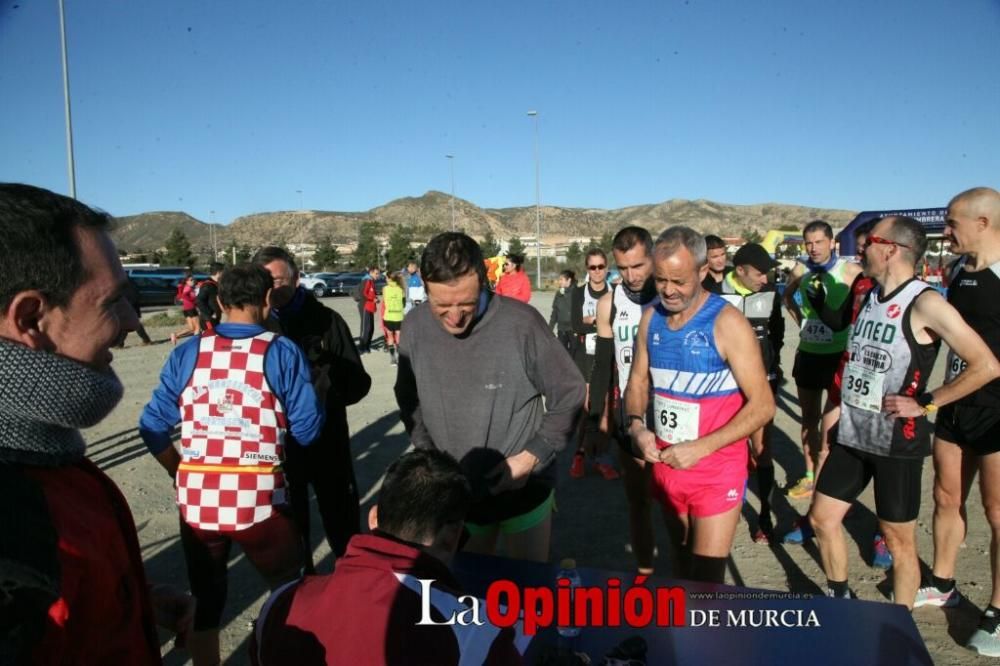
x=676, y=421
x=815, y=331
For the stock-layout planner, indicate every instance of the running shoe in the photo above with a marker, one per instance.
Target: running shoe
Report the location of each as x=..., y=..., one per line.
x=985, y=642
x=847, y=595
x=801, y=490
x=801, y=532
x=881, y=557
x=607, y=471
x=765, y=530
x=576, y=470
x=931, y=596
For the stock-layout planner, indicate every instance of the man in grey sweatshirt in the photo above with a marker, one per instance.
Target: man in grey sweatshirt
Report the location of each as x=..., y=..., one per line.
x=483, y=378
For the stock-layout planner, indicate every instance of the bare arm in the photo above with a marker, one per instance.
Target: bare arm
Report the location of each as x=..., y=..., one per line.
x=738, y=346
x=932, y=312
x=789, y=296
x=637, y=394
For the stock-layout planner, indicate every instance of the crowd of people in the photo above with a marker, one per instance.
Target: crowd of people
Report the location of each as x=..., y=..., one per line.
x=667, y=378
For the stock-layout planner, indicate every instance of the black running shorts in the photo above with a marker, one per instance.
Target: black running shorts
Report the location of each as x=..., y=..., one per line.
x=847, y=472
x=970, y=426
x=815, y=371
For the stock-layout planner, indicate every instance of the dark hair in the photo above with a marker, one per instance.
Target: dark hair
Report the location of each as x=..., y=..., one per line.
x=568, y=274
x=629, y=237
x=266, y=255
x=40, y=247
x=713, y=242
x=516, y=259
x=245, y=285
x=818, y=225
x=451, y=255
x=865, y=228
x=596, y=252
x=422, y=492
x=910, y=232
x=215, y=267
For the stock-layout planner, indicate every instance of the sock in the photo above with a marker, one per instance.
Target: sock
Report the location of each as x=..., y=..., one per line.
x=810, y=476
x=838, y=587
x=990, y=619
x=943, y=584
x=708, y=569
x=765, y=484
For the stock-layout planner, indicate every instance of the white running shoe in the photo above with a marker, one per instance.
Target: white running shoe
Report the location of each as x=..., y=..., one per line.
x=931, y=596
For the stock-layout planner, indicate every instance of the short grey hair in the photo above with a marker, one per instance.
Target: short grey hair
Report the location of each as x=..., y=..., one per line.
x=673, y=238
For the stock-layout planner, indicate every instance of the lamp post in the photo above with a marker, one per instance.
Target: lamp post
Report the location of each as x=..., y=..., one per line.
x=69, y=117
x=451, y=162
x=214, y=238
x=538, y=207
x=299, y=192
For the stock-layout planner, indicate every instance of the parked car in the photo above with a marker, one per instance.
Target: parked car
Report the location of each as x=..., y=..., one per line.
x=345, y=283
x=159, y=286
x=314, y=283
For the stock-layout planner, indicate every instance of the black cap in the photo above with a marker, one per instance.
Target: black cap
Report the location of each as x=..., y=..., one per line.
x=756, y=256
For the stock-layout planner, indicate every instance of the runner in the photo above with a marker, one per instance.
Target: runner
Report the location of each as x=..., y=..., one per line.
x=820, y=348
x=701, y=359
x=209, y=310
x=415, y=293
x=618, y=315
x=187, y=295
x=883, y=432
x=747, y=288
x=514, y=282
x=968, y=433
x=717, y=269
x=235, y=392
x=561, y=318
x=392, y=314
x=585, y=299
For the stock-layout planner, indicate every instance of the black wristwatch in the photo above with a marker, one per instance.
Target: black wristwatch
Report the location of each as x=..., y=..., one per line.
x=635, y=417
x=926, y=400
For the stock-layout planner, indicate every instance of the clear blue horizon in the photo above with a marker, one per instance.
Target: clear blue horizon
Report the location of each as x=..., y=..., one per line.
x=245, y=107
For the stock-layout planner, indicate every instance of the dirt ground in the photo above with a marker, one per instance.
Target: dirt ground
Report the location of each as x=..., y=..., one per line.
x=590, y=525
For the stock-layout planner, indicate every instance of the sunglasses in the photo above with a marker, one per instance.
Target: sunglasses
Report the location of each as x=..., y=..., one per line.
x=878, y=240
x=597, y=267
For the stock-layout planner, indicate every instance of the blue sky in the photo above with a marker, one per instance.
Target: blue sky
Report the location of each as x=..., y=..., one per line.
x=235, y=106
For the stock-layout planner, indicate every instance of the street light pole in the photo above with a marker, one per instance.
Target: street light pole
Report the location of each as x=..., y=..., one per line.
x=299, y=192
x=211, y=228
x=451, y=162
x=538, y=207
x=69, y=116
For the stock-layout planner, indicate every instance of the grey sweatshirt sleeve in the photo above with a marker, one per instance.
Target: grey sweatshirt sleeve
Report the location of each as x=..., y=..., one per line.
x=408, y=398
x=557, y=378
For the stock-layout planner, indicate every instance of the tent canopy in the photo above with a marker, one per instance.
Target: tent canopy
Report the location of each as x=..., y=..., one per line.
x=931, y=218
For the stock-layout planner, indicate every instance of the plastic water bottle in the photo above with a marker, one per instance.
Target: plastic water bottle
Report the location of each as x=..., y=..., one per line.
x=569, y=637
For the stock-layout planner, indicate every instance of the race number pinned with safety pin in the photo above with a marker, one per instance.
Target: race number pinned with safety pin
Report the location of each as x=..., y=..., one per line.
x=955, y=367
x=862, y=388
x=676, y=421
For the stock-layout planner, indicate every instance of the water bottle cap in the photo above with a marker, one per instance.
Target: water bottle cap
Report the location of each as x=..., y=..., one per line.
x=568, y=563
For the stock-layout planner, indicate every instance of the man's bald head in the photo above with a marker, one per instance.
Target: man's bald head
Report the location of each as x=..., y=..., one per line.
x=980, y=202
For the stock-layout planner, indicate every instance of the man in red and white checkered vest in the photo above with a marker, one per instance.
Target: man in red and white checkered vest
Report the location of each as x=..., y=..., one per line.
x=236, y=391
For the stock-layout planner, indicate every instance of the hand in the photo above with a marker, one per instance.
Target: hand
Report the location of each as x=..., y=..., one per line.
x=512, y=473
x=901, y=406
x=173, y=610
x=682, y=456
x=589, y=321
x=645, y=441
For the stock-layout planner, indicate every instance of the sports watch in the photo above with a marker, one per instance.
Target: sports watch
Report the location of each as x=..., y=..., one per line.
x=926, y=400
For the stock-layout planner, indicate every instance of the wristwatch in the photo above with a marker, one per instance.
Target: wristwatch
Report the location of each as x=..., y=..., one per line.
x=635, y=417
x=926, y=400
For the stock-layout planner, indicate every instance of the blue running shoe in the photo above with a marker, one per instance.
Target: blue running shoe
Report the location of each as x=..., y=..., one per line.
x=881, y=557
x=801, y=533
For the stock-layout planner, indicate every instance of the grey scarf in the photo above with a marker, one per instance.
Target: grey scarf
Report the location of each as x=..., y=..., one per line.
x=44, y=401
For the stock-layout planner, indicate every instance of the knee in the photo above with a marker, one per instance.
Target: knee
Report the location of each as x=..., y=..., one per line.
x=993, y=515
x=949, y=499
x=824, y=523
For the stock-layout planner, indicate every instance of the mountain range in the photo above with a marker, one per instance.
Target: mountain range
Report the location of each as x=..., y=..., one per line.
x=432, y=212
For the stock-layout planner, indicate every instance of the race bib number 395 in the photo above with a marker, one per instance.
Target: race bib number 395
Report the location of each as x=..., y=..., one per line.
x=676, y=421
x=862, y=388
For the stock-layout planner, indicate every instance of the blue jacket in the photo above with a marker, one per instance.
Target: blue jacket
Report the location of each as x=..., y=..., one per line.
x=286, y=370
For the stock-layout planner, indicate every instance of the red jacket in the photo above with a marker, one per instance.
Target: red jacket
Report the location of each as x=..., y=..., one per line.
x=515, y=285
x=363, y=614
x=368, y=291
x=77, y=529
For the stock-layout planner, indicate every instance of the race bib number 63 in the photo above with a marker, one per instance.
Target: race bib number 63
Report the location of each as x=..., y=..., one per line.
x=676, y=421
